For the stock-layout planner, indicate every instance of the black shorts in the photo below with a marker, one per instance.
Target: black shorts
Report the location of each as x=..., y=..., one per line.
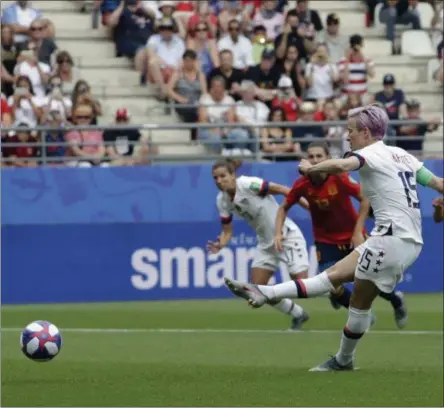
x=329, y=254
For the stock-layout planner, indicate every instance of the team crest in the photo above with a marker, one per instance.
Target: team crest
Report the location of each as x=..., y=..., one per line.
x=255, y=186
x=332, y=190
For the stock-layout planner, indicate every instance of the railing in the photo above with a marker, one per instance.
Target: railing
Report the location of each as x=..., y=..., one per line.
x=43, y=158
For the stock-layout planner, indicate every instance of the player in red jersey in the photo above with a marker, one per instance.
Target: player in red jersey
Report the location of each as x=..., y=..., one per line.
x=337, y=227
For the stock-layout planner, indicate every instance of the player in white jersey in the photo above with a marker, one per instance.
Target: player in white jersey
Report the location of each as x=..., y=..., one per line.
x=251, y=198
x=388, y=178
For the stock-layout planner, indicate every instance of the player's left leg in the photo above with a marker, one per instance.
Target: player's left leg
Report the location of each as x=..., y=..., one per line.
x=396, y=298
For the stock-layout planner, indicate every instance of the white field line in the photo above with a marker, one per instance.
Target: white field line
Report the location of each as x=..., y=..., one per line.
x=235, y=331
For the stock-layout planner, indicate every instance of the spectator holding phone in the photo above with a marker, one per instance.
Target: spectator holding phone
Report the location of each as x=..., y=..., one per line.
x=82, y=95
x=55, y=101
x=66, y=70
x=29, y=65
x=25, y=105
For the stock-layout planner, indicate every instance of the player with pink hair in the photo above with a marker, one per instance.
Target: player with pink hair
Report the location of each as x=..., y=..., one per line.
x=388, y=177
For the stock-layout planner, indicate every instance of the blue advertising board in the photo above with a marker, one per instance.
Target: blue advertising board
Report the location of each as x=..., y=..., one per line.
x=119, y=234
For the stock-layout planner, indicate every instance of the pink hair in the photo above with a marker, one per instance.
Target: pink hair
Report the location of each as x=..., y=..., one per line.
x=372, y=117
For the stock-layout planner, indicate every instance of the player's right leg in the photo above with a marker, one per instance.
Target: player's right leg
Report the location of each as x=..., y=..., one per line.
x=258, y=295
x=261, y=276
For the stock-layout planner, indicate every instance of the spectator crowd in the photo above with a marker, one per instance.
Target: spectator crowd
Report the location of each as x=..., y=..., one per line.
x=245, y=63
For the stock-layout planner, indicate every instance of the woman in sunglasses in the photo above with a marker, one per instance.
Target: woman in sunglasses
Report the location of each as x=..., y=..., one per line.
x=66, y=71
x=81, y=95
x=205, y=48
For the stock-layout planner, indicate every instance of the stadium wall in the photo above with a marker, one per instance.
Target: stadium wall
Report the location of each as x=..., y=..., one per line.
x=139, y=233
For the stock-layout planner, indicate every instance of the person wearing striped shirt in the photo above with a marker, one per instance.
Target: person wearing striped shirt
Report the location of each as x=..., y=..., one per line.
x=355, y=69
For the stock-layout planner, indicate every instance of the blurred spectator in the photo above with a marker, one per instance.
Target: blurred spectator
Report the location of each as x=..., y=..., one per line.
x=353, y=101
x=309, y=24
x=292, y=67
x=164, y=54
x=232, y=76
x=205, y=48
x=306, y=114
x=399, y=12
x=321, y=76
x=25, y=105
x=335, y=135
x=336, y=42
x=414, y=113
x=286, y=99
x=38, y=72
x=217, y=107
x=266, y=76
x=238, y=44
x=106, y=8
x=85, y=145
x=54, y=154
x=132, y=25
x=250, y=111
x=55, y=101
x=437, y=24
x=232, y=11
x=270, y=18
x=65, y=69
x=44, y=47
x=260, y=43
x=81, y=95
x=292, y=34
x=21, y=156
x=5, y=112
x=355, y=68
x=167, y=8
x=392, y=98
x=203, y=15
x=120, y=143
x=186, y=87
x=278, y=140
x=9, y=55
x=19, y=16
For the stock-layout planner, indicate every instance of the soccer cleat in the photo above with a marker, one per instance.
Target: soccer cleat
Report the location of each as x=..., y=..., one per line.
x=247, y=291
x=401, y=315
x=335, y=304
x=332, y=365
x=372, y=322
x=297, y=322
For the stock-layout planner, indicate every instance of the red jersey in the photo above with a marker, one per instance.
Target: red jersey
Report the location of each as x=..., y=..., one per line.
x=332, y=213
x=290, y=107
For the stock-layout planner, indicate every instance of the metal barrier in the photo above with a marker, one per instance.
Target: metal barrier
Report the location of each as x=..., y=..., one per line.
x=43, y=158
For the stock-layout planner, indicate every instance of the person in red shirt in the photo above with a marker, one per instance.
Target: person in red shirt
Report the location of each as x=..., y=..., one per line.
x=286, y=99
x=337, y=227
x=25, y=155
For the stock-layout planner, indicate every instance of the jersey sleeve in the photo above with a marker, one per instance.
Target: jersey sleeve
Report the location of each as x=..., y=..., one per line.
x=296, y=192
x=225, y=213
x=349, y=185
x=254, y=185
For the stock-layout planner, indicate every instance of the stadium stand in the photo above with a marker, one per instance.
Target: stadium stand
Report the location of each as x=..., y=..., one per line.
x=115, y=83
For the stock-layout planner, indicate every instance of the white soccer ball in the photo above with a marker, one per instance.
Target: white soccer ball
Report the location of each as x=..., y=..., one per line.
x=41, y=341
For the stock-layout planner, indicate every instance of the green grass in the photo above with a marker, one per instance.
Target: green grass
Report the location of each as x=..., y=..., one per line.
x=222, y=368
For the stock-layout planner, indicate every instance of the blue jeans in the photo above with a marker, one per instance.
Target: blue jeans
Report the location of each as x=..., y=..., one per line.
x=216, y=141
x=242, y=137
x=390, y=17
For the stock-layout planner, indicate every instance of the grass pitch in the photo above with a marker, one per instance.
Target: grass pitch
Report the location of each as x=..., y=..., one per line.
x=221, y=353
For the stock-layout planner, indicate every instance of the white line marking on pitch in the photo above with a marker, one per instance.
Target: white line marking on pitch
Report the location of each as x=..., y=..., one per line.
x=239, y=331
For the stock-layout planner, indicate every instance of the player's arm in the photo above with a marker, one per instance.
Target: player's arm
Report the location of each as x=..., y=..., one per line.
x=332, y=166
x=279, y=189
x=427, y=179
x=222, y=240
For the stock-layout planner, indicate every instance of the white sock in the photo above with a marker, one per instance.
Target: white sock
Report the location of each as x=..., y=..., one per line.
x=357, y=324
x=288, y=307
x=302, y=288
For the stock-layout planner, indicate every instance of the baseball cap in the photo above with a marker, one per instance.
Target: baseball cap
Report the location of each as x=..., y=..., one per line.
x=165, y=22
x=413, y=103
x=333, y=18
x=268, y=54
x=389, y=79
x=285, y=82
x=122, y=114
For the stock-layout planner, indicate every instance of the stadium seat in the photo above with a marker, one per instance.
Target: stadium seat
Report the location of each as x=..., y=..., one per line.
x=432, y=66
x=426, y=14
x=417, y=44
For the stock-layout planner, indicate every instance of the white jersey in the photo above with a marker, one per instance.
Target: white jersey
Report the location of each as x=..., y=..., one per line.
x=388, y=180
x=259, y=209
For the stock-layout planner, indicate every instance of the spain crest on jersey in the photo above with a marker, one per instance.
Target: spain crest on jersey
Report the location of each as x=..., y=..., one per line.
x=332, y=189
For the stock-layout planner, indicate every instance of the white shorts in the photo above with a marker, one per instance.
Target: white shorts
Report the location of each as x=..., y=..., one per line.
x=383, y=260
x=294, y=255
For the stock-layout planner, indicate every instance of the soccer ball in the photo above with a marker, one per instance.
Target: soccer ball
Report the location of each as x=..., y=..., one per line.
x=40, y=341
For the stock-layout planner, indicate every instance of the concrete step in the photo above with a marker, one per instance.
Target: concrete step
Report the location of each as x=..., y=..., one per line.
x=85, y=62
x=137, y=106
x=101, y=34
x=88, y=49
x=70, y=20
x=377, y=47
x=112, y=76
x=349, y=17
x=429, y=102
x=402, y=74
x=183, y=150
x=54, y=6
x=124, y=91
x=336, y=6
x=410, y=88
